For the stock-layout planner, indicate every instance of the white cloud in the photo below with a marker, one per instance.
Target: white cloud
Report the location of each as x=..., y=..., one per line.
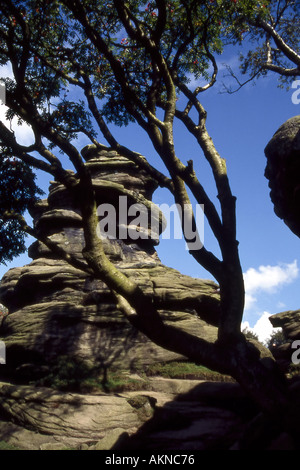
x=23, y=133
x=262, y=328
x=250, y=301
x=281, y=305
x=6, y=71
x=267, y=279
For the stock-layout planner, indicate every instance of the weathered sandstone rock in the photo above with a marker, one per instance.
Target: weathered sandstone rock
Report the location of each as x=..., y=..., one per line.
x=283, y=172
x=202, y=417
x=289, y=322
x=56, y=310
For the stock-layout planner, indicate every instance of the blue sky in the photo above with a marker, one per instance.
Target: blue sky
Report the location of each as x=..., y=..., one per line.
x=240, y=125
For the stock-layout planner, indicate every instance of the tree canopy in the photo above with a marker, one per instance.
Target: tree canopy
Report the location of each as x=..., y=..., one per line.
x=17, y=191
x=78, y=66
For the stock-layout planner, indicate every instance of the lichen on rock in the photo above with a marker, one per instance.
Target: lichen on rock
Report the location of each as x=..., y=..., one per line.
x=56, y=310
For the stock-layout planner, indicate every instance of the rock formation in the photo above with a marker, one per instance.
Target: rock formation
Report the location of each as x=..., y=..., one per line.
x=289, y=322
x=283, y=172
x=56, y=310
x=168, y=415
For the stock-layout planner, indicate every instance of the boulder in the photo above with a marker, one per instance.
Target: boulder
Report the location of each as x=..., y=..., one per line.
x=289, y=322
x=73, y=419
x=201, y=418
x=58, y=311
x=186, y=415
x=283, y=172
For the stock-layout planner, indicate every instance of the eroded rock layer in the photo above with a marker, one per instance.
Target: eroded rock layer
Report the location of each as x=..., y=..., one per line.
x=283, y=172
x=287, y=352
x=56, y=310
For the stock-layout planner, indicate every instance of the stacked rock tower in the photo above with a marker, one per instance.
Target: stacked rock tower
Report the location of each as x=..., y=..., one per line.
x=58, y=311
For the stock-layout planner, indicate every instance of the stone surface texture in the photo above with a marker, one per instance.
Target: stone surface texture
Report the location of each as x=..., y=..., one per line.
x=289, y=322
x=56, y=310
x=283, y=172
x=162, y=418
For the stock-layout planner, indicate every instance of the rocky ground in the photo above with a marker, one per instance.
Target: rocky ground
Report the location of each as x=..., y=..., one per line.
x=57, y=311
x=172, y=414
